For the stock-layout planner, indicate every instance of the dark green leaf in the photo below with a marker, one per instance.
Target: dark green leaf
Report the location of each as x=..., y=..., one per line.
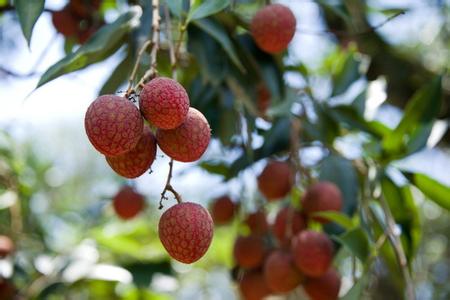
x=215, y=167
x=336, y=217
x=175, y=6
x=207, y=8
x=118, y=76
x=433, y=189
x=356, y=242
x=143, y=272
x=28, y=12
x=346, y=73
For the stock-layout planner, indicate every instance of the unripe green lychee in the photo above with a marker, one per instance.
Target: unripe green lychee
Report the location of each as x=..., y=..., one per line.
x=164, y=103
x=253, y=286
x=273, y=27
x=280, y=273
x=187, y=142
x=6, y=246
x=257, y=222
x=186, y=231
x=223, y=210
x=322, y=196
x=325, y=287
x=138, y=160
x=113, y=125
x=312, y=252
x=276, y=180
x=127, y=203
x=281, y=230
x=249, y=251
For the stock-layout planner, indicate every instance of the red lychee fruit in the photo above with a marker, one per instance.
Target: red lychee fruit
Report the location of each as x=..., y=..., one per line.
x=262, y=99
x=273, y=27
x=65, y=22
x=128, y=203
x=84, y=8
x=276, y=180
x=187, y=142
x=288, y=215
x=223, y=210
x=6, y=246
x=164, y=103
x=186, y=231
x=249, y=251
x=325, y=287
x=322, y=196
x=257, y=222
x=113, y=125
x=138, y=160
x=7, y=290
x=312, y=252
x=280, y=273
x=253, y=286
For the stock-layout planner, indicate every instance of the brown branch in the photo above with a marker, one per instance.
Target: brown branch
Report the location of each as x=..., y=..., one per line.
x=169, y=188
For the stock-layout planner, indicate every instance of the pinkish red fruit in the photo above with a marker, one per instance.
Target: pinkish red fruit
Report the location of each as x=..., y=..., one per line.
x=253, y=286
x=6, y=246
x=322, y=196
x=164, y=103
x=127, y=203
x=273, y=27
x=187, y=142
x=276, y=180
x=138, y=160
x=113, y=125
x=65, y=22
x=325, y=287
x=186, y=231
x=223, y=210
x=312, y=252
x=280, y=273
x=249, y=251
x=257, y=222
x=281, y=230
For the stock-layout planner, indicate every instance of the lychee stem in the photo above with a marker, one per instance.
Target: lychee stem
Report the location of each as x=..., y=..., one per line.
x=144, y=47
x=169, y=188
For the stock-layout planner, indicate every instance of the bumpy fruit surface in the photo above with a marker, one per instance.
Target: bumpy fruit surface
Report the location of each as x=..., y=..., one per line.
x=253, y=286
x=273, y=27
x=187, y=142
x=186, y=231
x=128, y=203
x=312, y=252
x=249, y=251
x=113, y=125
x=281, y=230
x=322, y=196
x=223, y=210
x=325, y=287
x=6, y=246
x=280, y=273
x=138, y=160
x=164, y=103
x=65, y=22
x=276, y=180
x=257, y=222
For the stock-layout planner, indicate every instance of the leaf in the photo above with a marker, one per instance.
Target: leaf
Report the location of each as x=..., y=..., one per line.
x=433, y=189
x=356, y=242
x=346, y=73
x=336, y=217
x=215, y=167
x=176, y=7
x=28, y=12
x=355, y=293
x=206, y=9
x=216, y=31
x=144, y=272
x=118, y=76
x=101, y=45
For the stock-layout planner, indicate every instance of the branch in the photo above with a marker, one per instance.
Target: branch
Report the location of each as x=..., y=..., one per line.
x=169, y=188
x=144, y=47
x=296, y=129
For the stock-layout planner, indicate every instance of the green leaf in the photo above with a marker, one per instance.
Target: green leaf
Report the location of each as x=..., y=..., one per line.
x=215, y=167
x=346, y=73
x=355, y=293
x=206, y=9
x=216, y=31
x=175, y=6
x=101, y=45
x=433, y=189
x=118, y=76
x=336, y=217
x=356, y=242
x=28, y=12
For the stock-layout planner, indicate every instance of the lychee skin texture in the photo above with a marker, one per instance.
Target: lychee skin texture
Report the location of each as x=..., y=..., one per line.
x=322, y=196
x=113, y=125
x=325, y=287
x=276, y=180
x=6, y=246
x=257, y=222
x=164, y=103
x=312, y=252
x=128, y=203
x=273, y=27
x=249, y=251
x=253, y=286
x=223, y=210
x=138, y=160
x=288, y=215
x=189, y=141
x=280, y=273
x=186, y=231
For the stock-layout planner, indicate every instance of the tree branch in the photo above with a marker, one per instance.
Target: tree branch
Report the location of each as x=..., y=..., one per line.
x=169, y=188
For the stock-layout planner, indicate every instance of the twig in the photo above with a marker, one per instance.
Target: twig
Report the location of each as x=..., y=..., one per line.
x=144, y=47
x=169, y=188
x=296, y=128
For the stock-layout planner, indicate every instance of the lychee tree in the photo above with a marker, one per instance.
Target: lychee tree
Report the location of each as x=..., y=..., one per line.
x=199, y=75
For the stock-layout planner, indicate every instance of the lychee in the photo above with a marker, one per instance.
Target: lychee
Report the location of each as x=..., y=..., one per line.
x=262, y=99
x=257, y=222
x=138, y=160
x=187, y=142
x=322, y=196
x=280, y=273
x=84, y=8
x=281, y=230
x=276, y=180
x=127, y=203
x=273, y=27
x=164, y=103
x=223, y=210
x=7, y=289
x=253, y=286
x=6, y=246
x=325, y=287
x=65, y=22
x=312, y=252
x=113, y=125
x=186, y=231
x=249, y=251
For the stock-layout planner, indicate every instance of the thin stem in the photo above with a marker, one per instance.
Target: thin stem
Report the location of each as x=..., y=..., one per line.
x=296, y=128
x=135, y=68
x=169, y=188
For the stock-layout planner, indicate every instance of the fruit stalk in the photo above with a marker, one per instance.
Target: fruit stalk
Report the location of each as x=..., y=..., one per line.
x=169, y=187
